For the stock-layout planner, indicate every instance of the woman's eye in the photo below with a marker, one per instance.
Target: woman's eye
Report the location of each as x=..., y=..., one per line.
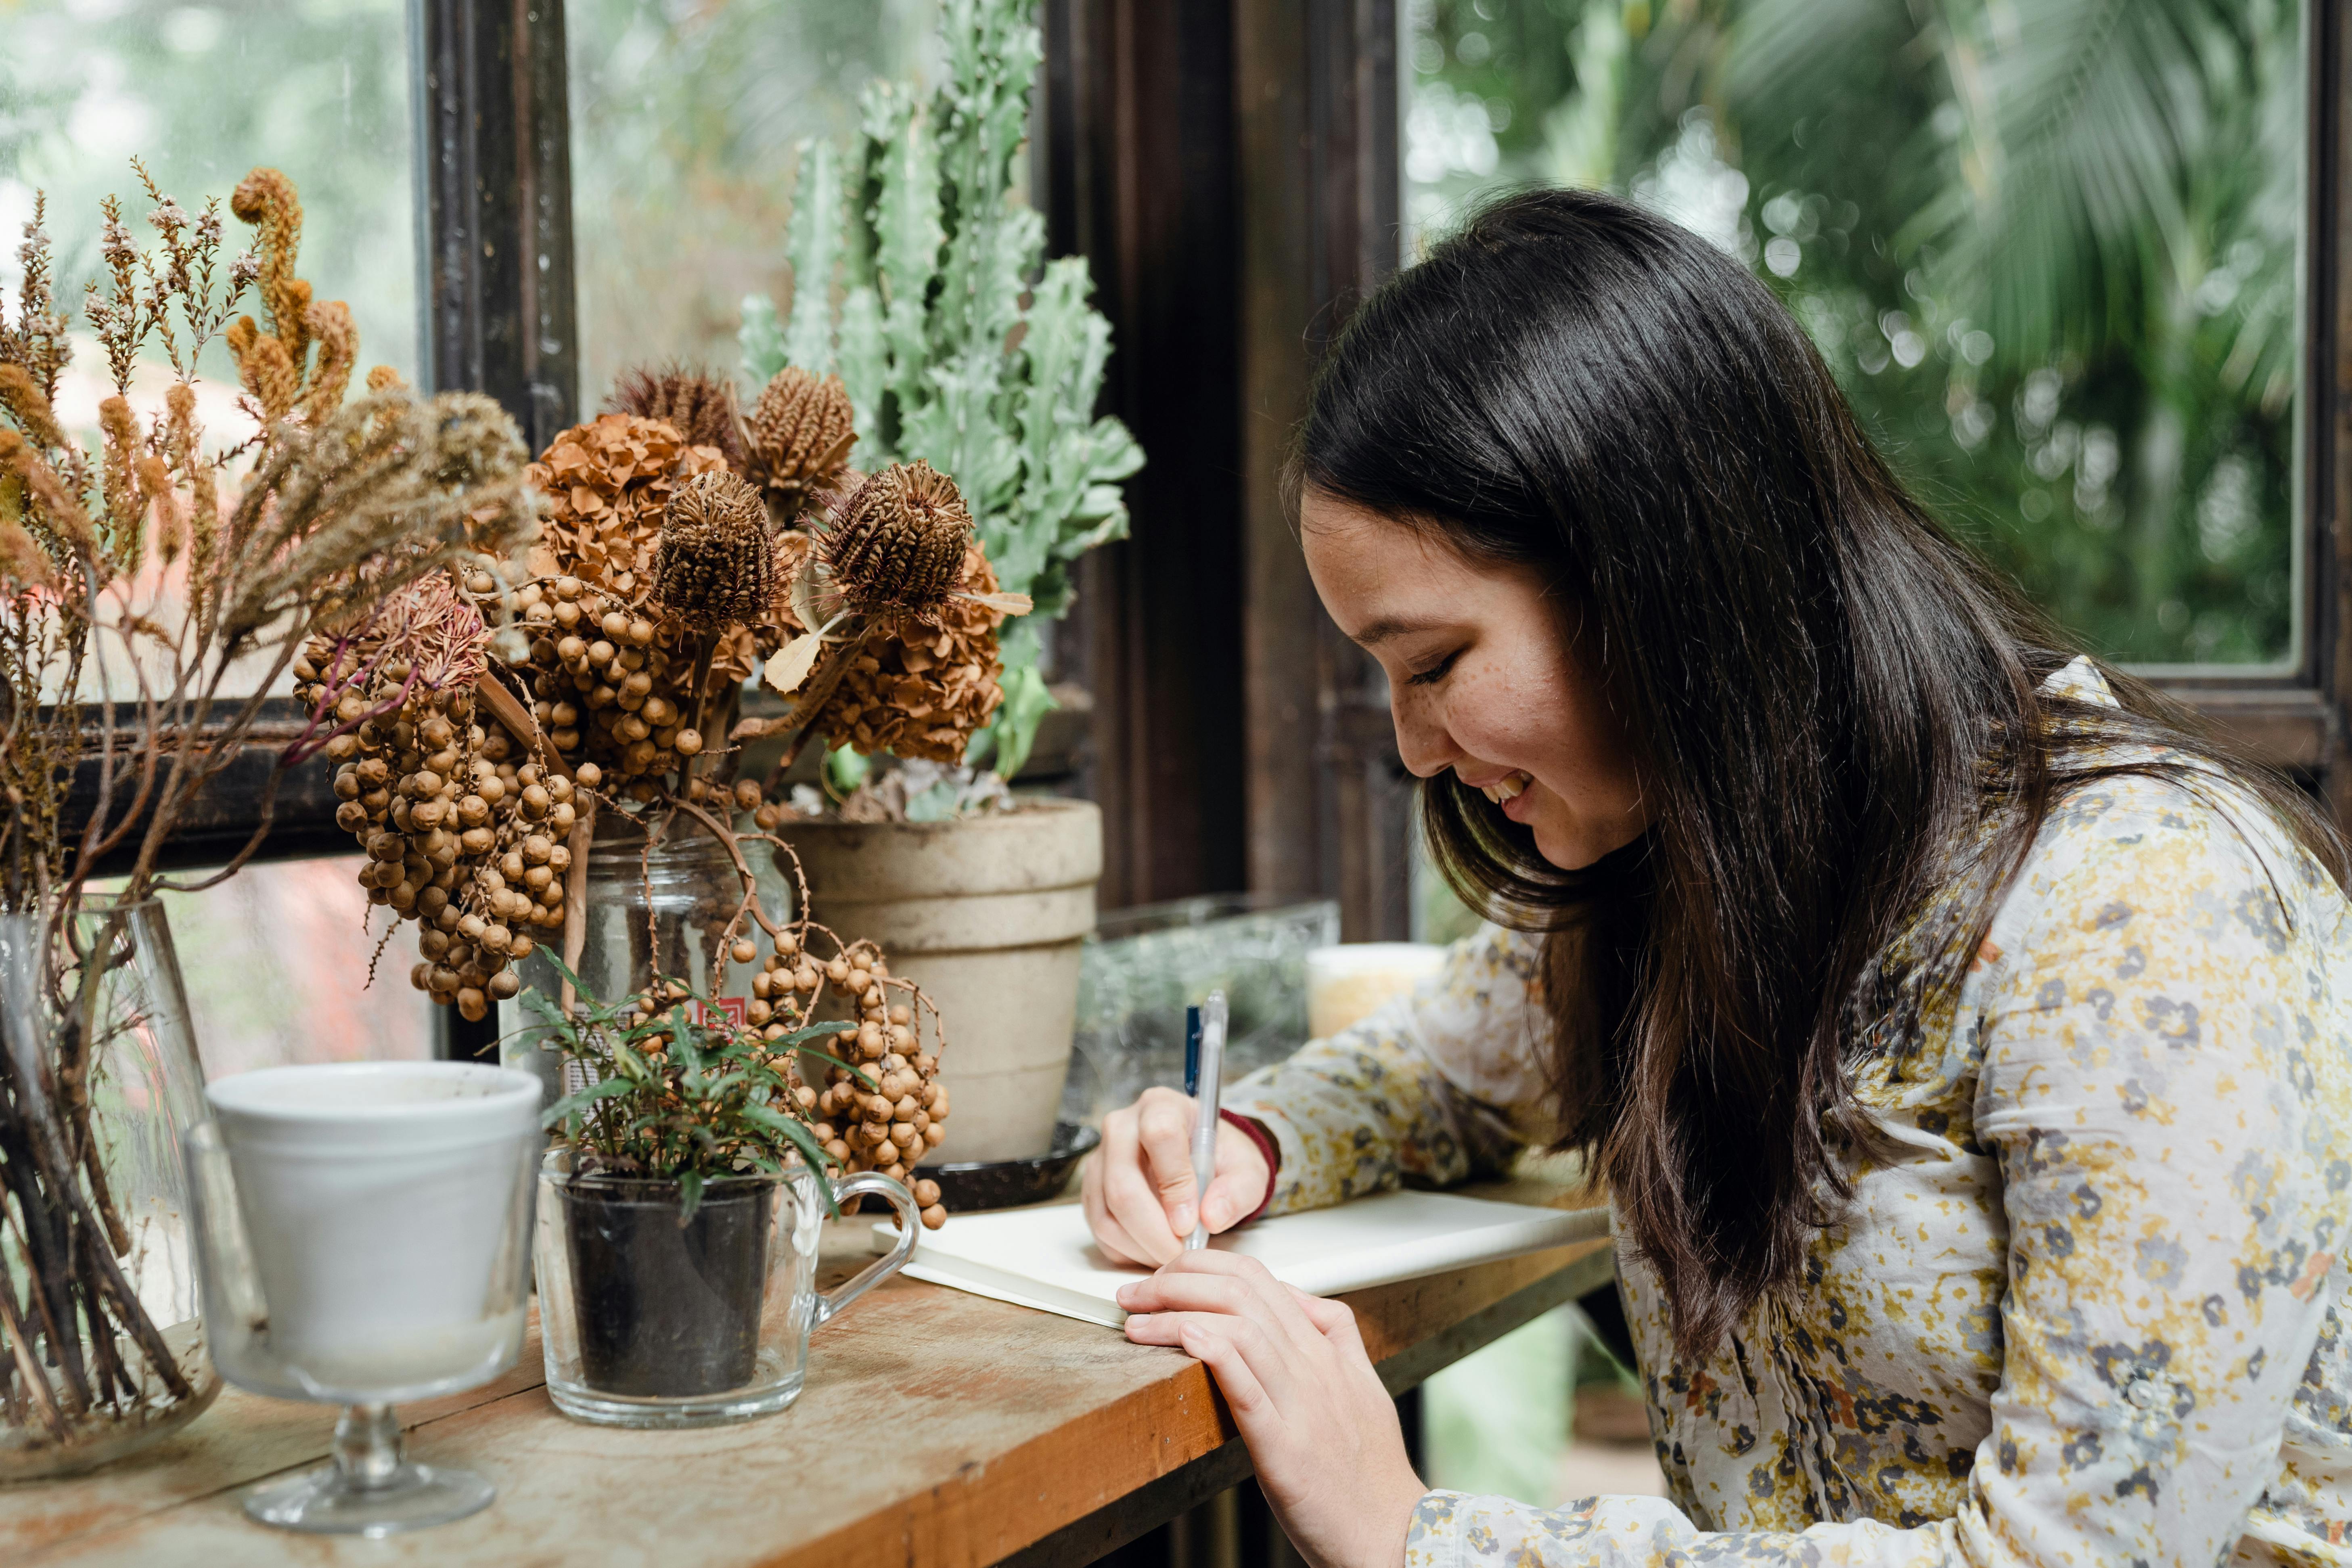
x=1435, y=672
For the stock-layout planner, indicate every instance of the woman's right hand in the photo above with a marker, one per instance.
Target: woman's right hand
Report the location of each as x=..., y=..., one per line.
x=1138, y=1186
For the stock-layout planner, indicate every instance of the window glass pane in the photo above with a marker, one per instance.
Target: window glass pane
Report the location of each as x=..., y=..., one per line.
x=2050, y=250
x=319, y=88
x=277, y=964
x=684, y=124
x=202, y=94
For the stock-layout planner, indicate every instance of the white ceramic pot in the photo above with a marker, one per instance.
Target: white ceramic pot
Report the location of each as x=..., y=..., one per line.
x=379, y=1199
x=987, y=915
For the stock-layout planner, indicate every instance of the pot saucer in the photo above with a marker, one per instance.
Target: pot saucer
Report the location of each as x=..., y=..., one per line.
x=978, y=1185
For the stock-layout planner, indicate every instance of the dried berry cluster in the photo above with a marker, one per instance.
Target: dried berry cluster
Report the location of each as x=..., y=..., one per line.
x=882, y=1107
x=663, y=1088
x=461, y=834
x=606, y=693
x=898, y=1118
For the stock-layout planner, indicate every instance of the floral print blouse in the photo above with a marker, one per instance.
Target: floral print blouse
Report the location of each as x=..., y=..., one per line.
x=2088, y=1305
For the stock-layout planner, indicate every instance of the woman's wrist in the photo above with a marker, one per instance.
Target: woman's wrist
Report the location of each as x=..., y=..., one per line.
x=1268, y=1149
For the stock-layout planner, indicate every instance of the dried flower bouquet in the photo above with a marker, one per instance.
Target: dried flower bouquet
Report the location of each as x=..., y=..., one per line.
x=681, y=547
x=135, y=583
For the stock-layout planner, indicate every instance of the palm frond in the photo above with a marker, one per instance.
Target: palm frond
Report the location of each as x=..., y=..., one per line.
x=2085, y=124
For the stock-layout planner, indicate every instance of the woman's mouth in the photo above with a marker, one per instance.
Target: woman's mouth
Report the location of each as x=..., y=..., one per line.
x=1510, y=793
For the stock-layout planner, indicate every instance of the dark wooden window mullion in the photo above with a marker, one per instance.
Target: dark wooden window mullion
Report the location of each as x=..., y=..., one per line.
x=494, y=201
x=2327, y=399
x=1139, y=174
x=494, y=191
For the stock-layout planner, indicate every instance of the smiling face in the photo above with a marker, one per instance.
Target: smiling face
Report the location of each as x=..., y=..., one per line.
x=1484, y=678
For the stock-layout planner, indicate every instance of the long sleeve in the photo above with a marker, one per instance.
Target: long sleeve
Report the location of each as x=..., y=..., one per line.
x=1434, y=1087
x=2163, y=1088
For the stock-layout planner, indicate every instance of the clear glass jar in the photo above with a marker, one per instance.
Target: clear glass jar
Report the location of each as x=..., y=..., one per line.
x=659, y=909
x=99, y=1078
x=651, y=1319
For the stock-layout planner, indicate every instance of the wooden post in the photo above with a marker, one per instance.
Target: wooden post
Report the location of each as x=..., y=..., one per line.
x=1136, y=172
x=1329, y=804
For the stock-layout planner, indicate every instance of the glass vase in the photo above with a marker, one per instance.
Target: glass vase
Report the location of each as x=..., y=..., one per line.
x=660, y=908
x=102, y=1340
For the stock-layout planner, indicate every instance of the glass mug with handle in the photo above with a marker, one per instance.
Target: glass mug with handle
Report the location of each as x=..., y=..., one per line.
x=364, y=1238
x=653, y=1316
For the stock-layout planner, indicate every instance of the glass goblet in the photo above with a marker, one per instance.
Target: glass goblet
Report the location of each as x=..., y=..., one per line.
x=364, y=1238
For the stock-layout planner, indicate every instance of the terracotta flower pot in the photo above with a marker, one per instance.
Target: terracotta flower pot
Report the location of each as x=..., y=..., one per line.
x=987, y=915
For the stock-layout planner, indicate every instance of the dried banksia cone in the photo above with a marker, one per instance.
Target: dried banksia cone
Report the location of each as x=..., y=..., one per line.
x=692, y=400
x=800, y=434
x=714, y=568
x=897, y=543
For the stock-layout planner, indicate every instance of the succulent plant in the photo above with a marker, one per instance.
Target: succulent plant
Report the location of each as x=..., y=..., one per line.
x=924, y=286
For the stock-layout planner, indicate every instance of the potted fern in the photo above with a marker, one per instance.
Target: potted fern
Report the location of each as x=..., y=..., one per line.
x=923, y=309
x=682, y=1196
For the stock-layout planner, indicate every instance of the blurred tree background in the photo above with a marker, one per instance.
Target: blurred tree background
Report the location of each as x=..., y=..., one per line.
x=203, y=93
x=2048, y=247
x=686, y=120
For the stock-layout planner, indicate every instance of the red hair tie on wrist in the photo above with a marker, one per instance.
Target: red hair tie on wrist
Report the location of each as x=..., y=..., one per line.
x=1255, y=1132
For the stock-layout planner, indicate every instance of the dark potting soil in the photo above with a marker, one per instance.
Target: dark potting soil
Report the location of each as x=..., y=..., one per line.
x=667, y=1310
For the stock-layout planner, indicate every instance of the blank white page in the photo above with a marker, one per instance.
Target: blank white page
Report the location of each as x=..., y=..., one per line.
x=1045, y=1258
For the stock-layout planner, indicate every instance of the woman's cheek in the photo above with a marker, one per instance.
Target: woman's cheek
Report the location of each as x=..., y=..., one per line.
x=1498, y=715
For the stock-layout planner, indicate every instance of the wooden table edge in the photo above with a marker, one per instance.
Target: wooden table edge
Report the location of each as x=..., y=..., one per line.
x=1199, y=1455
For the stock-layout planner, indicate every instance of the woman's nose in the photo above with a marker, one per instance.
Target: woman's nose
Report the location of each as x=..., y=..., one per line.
x=1426, y=748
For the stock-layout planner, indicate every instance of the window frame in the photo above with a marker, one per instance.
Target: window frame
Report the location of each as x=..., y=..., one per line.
x=2294, y=717
x=1302, y=793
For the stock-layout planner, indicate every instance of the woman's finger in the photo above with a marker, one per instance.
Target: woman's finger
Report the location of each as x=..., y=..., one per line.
x=1263, y=1296
x=1334, y=1321
x=1163, y=1124
x=1128, y=1197
x=1108, y=1234
x=1174, y=1290
x=1240, y=1183
x=1270, y=1372
x=1206, y=1342
x=1116, y=1244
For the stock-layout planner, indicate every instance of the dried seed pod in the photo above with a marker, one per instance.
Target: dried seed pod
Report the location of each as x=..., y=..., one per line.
x=698, y=404
x=799, y=437
x=898, y=544
x=713, y=569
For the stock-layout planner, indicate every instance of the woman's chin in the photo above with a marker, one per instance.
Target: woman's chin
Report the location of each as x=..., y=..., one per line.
x=1577, y=845
x=1574, y=854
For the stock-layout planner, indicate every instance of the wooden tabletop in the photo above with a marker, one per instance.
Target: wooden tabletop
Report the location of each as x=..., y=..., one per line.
x=937, y=1430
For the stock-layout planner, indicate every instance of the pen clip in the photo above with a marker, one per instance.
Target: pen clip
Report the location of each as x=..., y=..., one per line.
x=1192, y=1051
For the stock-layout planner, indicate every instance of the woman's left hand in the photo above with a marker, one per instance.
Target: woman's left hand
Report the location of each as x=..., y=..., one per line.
x=1321, y=1430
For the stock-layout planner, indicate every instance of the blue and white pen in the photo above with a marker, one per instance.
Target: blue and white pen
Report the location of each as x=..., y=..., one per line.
x=1205, y=1118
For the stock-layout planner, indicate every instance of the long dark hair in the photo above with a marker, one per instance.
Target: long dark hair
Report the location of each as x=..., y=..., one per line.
x=1829, y=696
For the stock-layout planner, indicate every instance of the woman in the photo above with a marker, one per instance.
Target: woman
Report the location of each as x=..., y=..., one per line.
x=1960, y=1035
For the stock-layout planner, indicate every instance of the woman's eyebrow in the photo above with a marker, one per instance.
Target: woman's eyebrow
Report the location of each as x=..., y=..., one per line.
x=1389, y=626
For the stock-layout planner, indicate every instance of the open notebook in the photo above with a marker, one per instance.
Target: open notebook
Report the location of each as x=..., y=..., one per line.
x=1043, y=1257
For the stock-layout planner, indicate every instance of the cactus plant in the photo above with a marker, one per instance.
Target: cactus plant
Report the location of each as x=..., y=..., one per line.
x=922, y=283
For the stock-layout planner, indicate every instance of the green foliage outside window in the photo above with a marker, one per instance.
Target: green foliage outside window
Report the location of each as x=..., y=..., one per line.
x=2048, y=248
